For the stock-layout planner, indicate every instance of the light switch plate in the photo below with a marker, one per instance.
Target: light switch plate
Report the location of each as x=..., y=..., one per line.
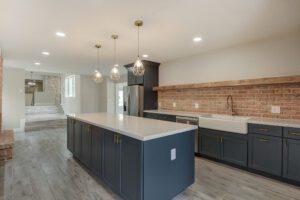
x=196, y=105
x=275, y=109
x=173, y=154
x=174, y=104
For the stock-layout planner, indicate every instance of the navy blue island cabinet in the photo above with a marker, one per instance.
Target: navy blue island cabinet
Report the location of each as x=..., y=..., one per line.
x=134, y=169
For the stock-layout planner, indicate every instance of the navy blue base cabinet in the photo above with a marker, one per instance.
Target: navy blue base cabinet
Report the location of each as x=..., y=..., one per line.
x=134, y=169
x=86, y=144
x=77, y=139
x=291, y=154
x=225, y=146
x=265, y=153
x=265, y=148
x=70, y=135
x=97, y=150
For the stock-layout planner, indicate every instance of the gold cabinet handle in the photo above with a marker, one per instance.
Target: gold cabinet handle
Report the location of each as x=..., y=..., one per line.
x=221, y=139
x=119, y=139
x=293, y=133
x=263, y=140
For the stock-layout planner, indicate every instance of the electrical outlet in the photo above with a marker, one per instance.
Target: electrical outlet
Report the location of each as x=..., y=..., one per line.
x=174, y=104
x=173, y=154
x=275, y=109
x=196, y=105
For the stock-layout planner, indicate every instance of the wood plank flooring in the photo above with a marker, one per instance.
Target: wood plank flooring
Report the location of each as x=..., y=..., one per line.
x=43, y=169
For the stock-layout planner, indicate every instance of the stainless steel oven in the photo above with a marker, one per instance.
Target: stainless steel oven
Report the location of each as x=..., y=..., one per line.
x=191, y=121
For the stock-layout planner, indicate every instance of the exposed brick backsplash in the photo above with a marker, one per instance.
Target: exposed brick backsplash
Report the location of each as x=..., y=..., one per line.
x=247, y=100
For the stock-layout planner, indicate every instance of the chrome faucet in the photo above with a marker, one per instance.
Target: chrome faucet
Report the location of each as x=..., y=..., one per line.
x=229, y=104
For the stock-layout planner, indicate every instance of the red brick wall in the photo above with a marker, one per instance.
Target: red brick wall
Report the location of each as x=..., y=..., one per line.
x=248, y=100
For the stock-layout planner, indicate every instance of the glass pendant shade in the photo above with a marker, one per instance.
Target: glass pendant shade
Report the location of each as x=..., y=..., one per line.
x=98, y=78
x=115, y=74
x=138, y=68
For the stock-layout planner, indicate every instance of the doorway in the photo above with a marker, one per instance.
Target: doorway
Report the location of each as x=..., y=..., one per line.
x=119, y=97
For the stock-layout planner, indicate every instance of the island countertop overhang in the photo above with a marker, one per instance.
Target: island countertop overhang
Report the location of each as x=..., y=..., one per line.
x=136, y=127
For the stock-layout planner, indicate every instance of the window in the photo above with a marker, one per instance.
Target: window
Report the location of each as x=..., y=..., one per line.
x=70, y=86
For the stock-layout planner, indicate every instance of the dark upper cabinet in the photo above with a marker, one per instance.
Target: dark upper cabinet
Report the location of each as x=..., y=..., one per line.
x=149, y=80
x=265, y=153
x=77, y=139
x=134, y=80
x=111, y=160
x=97, y=150
x=70, y=135
x=86, y=143
x=234, y=148
x=210, y=143
x=131, y=171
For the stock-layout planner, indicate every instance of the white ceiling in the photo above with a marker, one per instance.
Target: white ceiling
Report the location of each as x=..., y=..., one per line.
x=28, y=27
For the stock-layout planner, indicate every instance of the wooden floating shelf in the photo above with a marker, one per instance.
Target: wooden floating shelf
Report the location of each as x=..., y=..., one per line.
x=247, y=82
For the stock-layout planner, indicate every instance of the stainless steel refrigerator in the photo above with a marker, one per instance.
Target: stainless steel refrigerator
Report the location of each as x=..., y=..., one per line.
x=133, y=97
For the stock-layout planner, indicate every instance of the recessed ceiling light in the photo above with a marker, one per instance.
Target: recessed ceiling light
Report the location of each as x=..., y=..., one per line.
x=60, y=34
x=145, y=56
x=37, y=63
x=45, y=53
x=197, y=39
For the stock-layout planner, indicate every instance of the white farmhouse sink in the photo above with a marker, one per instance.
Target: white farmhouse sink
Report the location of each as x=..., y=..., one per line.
x=235, y=124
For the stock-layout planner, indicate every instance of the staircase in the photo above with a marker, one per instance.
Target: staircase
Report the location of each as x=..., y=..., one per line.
x=44, y=117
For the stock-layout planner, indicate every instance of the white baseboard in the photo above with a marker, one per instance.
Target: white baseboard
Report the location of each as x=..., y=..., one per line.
x=22, y=126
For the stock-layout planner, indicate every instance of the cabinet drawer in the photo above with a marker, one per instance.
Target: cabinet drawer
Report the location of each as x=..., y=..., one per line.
x=293, y=133
x=171, y=118
x=150, y=115
x=164, y=117
x=265, y=129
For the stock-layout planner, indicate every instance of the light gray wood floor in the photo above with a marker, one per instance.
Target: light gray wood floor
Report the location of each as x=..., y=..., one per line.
x=43, y=169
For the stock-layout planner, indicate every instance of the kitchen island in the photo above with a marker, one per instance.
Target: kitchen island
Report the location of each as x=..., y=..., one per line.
x=138, y=158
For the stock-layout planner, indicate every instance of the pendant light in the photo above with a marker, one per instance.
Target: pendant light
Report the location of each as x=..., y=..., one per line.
x=115, y=74
x=98, y=78
x=31, y=83
x=138, y=68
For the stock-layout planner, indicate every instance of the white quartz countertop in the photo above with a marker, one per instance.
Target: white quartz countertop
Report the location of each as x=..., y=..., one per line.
x=251, y=120
x=136, y=127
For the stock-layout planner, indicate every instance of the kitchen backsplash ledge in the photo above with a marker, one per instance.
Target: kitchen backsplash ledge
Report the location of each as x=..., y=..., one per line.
x=247, y=100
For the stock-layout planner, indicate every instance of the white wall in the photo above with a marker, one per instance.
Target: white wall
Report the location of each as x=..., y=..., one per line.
x=71, y=104
x=13, y=98
x=90, y=96
x=93, y=95
x=278, y=56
